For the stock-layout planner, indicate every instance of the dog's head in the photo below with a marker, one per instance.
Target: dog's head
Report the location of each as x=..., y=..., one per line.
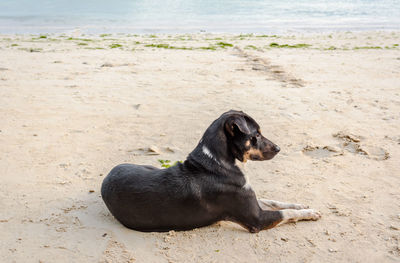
x=245, y=138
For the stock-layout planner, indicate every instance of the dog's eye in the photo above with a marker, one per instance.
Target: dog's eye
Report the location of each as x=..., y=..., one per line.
x=258, y=135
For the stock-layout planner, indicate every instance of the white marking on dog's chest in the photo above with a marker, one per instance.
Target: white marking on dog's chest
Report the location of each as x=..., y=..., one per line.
x=241, y=166
x=247, y=185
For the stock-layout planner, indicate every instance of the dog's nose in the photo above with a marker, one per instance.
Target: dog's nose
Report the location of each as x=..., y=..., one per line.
x=276, y=148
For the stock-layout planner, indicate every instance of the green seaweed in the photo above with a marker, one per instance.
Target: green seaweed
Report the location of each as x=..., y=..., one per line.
x=217, y=38
x=115, y=45
x=158, y=45
x=260, y=36
x=167, y=163
x=35, y=50
x=80, y=39
x=301, y=45
x=208, y=48
x=167, y=46
x=331, y=48
x=224, y=44
x=368, y=47
x=39, y=37
x=245, y=35
x=250, y=47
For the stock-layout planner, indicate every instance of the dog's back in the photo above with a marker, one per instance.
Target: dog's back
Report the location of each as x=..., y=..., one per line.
x=142, y=197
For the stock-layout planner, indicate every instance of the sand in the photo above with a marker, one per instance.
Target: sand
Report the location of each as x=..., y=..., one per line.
x=72, y=107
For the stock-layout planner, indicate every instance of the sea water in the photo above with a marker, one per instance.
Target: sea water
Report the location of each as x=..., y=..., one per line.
x=190, y=16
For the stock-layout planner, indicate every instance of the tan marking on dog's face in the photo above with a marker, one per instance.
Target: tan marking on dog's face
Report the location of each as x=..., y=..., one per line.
x=252, y=152
x=247, y=144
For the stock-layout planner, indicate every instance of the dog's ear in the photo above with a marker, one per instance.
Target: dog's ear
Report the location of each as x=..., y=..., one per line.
x=239, y=122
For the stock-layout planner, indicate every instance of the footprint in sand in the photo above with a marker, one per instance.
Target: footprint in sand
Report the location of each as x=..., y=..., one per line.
x=116, y=252
x=321, y=152
x=352, y=143
x=349, y=143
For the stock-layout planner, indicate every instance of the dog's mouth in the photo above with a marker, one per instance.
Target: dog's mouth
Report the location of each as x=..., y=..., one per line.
x=271, y=152
x=266, y=153
x=269, y=155
x=265, y=156
x=256, y=158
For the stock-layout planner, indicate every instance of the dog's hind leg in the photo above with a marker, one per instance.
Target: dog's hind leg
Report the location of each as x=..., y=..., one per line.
x=276, y=205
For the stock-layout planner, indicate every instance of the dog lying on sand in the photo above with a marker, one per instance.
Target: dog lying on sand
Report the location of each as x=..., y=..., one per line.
x=207, y=187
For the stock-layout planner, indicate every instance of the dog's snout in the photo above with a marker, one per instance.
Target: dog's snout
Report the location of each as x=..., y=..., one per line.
x=276, y=148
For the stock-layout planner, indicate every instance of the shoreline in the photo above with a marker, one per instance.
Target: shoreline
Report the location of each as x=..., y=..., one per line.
x=270, y=30
x=368, y=40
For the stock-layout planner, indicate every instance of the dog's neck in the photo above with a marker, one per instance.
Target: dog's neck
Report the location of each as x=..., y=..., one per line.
x=209, y=154
x=220, y=161
x=216, y=160
x=213, y=152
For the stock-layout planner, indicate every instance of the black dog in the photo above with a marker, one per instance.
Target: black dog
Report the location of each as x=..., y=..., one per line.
x=206, y=188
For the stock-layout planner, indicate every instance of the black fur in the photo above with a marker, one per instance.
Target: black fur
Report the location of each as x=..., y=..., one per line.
x=198, y=192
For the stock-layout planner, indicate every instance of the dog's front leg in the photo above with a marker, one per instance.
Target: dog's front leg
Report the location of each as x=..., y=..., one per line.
x=269, y=219
x=276, y=205
x=266, y=219
x=247, y=211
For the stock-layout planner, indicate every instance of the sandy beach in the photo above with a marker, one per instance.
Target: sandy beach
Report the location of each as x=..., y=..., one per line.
x=74, y=106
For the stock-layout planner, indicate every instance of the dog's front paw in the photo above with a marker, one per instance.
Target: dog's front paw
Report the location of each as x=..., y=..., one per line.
x=313, y=215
